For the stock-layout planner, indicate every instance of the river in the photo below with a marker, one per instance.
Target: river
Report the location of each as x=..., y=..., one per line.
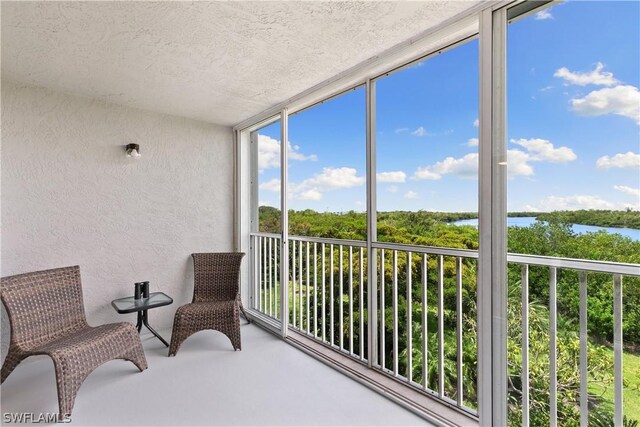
x=632, y=233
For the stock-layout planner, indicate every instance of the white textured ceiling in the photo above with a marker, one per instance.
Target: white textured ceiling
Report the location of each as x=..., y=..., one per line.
x=220, y=62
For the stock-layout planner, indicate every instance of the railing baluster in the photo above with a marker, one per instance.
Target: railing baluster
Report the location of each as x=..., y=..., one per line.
x=617, y=350
x=324, y=297
x=409, y=332
x=441, y=326
x=383, y=329
x=394, y=297
x=306, y=293
x=584, y=396
x=258, y=286
x=268, y=299
x=294, y=291
x=340, y=297
x=553, y=318
x=525, y=345
x=351, y=300
x=361, y=298
x=276, y=270
x=315, y=289
x=266, y=276
x=425, y=335
x=300, y=278
x=459, y=328
x=331, y=296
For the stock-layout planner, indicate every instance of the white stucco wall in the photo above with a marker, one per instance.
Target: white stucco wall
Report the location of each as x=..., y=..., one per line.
x=70, y=196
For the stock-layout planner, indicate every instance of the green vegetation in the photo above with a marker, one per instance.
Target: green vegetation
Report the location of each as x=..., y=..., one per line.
x=551, y=237
x=601, y=218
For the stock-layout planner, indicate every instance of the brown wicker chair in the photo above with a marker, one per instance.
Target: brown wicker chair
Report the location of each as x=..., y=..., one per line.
x=216, y=299
x=46, y=313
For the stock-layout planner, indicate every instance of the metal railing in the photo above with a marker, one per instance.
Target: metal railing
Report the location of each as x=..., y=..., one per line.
x=420, y=288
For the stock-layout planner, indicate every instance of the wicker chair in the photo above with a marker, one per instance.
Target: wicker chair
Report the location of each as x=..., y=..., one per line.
x=46, y=313
x=216, y=299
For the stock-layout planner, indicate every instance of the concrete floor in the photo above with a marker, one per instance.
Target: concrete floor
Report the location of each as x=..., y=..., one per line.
x=267, y=383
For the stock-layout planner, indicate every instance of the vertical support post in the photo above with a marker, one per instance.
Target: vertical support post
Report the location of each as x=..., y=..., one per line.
x=409, y=332
x=306, y=291
x=459, y=373
x=315, y=289
x=351, y=300
x=394, y=299
x=294, y=288
x=331, y=297
x=492, y=262
x=284, y=223
x=383, y=345
x=361, y=302
x=300, y=281
x=617, y=350
x=584, y=396
x=256, y=298
x=425, y=332
x=553, y=352
x=324, y=297
x=525, y=345
x=372, y=295
x=440, y=326
x=340, y=298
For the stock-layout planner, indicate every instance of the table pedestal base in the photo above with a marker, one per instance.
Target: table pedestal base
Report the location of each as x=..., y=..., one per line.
x=143, y=319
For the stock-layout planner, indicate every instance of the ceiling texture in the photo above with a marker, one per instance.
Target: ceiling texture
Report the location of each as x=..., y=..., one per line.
x=221, y=62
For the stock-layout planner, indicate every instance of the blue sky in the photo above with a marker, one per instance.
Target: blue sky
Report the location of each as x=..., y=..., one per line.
x=573, y=124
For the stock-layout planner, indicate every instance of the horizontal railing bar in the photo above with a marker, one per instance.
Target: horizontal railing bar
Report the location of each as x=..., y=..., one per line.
x=577, y=264
x=594, y=266
x=261, y=234
x=466, y=253
x=344, y=242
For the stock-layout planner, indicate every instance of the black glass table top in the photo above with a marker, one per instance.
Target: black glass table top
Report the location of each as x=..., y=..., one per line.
x=131, y=305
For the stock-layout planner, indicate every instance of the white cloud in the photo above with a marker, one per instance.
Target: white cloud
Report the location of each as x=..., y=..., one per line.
x=272, y=185
x=543, y=15
x=476, y=123
x=265, y=203
x=393, y=189
x=517, y=164
x=421, y=131
x=623, y=100
x=542, y=150
x=336, y=178
x=410, y=195
x=294, y=154
x=395, y=176
x=269, y=153
x=312, y=194
x=518, y=161
x=594, y=77
x=465, y=167
x=576, y=202
x=401, y=130
x=473, y=142
x=328, y=180
x=628, y=190
x=620, y=160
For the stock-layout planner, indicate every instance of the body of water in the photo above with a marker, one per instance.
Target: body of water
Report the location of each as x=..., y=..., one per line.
x=577, y=228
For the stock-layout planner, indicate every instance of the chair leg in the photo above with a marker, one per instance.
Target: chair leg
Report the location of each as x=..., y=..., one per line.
x=232, y=330
x=68, y=383
x=136, y=354
x=12, y=360
x=179, y=333
x=244, y=314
